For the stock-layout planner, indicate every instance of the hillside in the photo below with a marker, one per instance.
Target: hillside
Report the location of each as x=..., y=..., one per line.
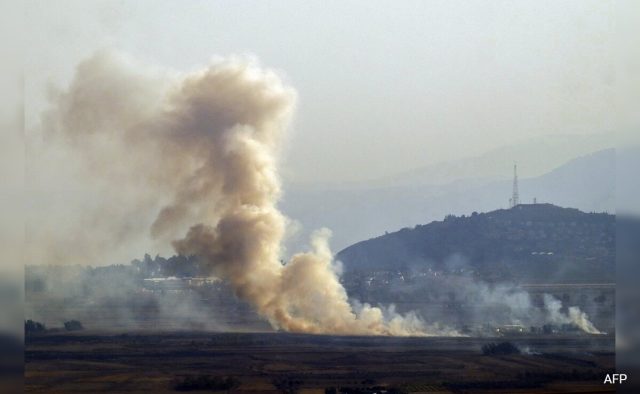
x=586, y=183
x=528, y=243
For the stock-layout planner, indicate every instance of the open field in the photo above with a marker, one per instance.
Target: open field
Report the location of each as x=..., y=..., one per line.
x=138, y=362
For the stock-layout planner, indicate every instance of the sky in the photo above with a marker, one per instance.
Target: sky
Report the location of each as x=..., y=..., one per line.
x=383, y=87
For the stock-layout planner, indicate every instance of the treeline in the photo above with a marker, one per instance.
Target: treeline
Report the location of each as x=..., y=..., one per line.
x=80, y=280
x=159, y=267
x=32, y=327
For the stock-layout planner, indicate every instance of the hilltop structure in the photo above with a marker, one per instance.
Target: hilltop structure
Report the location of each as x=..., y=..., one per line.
x=515, y=196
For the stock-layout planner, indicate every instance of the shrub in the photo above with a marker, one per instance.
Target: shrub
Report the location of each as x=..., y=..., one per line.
x=73, y=325
x=500, y=349
x=33, y=327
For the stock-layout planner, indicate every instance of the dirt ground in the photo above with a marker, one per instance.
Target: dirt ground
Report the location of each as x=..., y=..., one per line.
x=143, y=362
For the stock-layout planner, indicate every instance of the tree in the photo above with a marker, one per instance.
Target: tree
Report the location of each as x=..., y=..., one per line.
x=33, y=327
x=73, y=325
x=500, y=349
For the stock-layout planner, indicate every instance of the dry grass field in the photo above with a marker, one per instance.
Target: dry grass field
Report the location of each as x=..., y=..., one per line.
x=143, y=362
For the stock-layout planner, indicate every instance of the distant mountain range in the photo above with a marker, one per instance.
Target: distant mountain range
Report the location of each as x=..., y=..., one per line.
x=535, y=157
x=531, y=243
x=586, y=183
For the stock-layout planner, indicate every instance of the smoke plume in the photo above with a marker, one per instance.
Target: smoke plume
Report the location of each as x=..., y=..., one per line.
x=458, y=297
x=197, y=154
x=574, y=316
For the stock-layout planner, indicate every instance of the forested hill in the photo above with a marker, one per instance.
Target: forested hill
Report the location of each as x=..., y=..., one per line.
x=529, y=243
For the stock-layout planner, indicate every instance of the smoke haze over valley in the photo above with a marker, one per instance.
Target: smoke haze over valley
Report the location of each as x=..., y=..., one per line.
x=194, y=158
x=321, y=197
x=208, y=143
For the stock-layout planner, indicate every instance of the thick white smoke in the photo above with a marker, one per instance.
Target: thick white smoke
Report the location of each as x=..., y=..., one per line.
x=199, y=152
x=521, y=309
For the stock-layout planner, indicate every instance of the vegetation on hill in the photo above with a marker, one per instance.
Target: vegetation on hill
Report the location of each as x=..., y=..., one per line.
x=537, y=243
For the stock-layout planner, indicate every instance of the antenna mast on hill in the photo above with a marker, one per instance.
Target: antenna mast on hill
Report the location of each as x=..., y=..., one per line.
x=515, y=198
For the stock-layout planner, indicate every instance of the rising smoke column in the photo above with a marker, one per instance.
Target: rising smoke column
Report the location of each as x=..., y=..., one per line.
x=240, y=113
x=196, y=154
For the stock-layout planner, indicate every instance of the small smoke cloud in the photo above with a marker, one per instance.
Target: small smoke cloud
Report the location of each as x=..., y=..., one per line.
x=197, y=154
x=574, y=316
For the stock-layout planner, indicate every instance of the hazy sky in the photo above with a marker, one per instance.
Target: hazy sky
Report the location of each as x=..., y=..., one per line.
x=383, y=86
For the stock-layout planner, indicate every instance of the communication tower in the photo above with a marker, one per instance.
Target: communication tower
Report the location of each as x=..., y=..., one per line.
x=515, y=198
